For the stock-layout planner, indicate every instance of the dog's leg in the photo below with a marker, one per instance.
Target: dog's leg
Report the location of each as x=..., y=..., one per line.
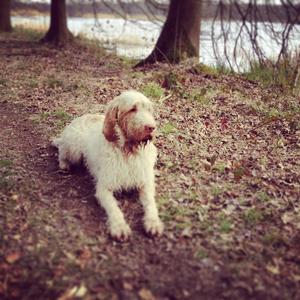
x=118, y=227
x=152, y=222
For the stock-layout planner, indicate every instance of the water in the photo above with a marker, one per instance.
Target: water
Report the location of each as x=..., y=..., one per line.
x=136, y=39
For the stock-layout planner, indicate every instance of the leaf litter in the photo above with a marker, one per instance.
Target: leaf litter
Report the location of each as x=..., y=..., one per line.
x=228, y=184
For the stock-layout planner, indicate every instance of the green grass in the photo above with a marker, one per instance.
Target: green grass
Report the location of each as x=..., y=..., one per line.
x=31, y=34
x=137, y=74
x=153, y=90
x=62, y=115
x=260, y=73
x=271, y=112
x=294, y=107
x=33, y=83
x=262, y=196
x=252, y=216
x=168, y=128
x=162, y=201
x=259, y=107
x=4, y=163
x=193, y=196
x=282, y=75
x=23, y=66
x=200, y=96
x=6, y=182
x=180, y=210
x=272, y=238
x=201, y=254
x=41, y=117
x=238, y=172
x=225, y=225
x=128, y=62
x=179, y=213
x=171, y=81
x=207, y=225
x=3, y=81
x=58, y=118
x=216, y=190
x=204, y=69
x=53, y=82
x=210, y=70
x=223, y=69
x=220, y=166
x=61, y=118
x=92, y=45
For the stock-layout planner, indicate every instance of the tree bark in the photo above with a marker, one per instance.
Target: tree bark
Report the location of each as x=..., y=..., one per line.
x=5, y=24
x=180, y=35
x=58, y=32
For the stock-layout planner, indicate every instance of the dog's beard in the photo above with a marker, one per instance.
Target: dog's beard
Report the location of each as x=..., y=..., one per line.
x=147, y=140
x=142, y=142
x=132, y=144
x=138, y=143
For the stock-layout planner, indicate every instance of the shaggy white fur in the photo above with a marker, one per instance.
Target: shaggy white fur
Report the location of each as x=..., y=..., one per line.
x=118, y=151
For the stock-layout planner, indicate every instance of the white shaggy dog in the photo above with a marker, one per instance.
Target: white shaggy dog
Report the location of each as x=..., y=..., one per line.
x=118, y=151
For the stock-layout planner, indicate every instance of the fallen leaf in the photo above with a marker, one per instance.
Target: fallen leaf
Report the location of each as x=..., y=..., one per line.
x=287, y=217
x=75, y=291
x=273, y=269
x=186, y=232
x=15, y=197
x=81, y=291
x=84, y=257
x=296, y=277
x=13, y=257
x=224, y=123
x=127, y=286
x=146, y=294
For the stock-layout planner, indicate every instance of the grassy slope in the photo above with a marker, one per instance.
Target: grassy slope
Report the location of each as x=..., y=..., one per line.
x=228, y=178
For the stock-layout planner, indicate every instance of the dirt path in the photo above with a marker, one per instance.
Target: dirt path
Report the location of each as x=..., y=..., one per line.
x=228, y=195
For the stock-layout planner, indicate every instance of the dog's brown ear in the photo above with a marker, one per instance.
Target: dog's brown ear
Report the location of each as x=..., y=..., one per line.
x=110, y=121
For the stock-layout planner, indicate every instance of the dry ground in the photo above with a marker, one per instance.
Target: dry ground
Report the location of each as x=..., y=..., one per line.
x=228, y=184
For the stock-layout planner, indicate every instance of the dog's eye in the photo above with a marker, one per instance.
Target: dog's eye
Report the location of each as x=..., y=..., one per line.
x=134, y=109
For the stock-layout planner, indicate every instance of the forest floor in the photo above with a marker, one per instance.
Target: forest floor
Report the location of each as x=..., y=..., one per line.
x=228, y=183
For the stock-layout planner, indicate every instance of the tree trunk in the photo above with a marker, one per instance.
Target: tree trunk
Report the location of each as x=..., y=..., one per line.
x=5, y=24
x=180, y=35
x=58, y=32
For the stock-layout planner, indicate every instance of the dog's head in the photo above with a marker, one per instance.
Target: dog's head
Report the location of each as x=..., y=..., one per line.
x=129, y=117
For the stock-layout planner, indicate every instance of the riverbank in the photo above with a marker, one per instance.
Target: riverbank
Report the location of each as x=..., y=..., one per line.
x=227, y=182
x=139, y=10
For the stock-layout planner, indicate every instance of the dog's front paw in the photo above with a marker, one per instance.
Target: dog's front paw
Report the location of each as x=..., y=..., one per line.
x=154, y=227
x=63, y=165
x=120, y=231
